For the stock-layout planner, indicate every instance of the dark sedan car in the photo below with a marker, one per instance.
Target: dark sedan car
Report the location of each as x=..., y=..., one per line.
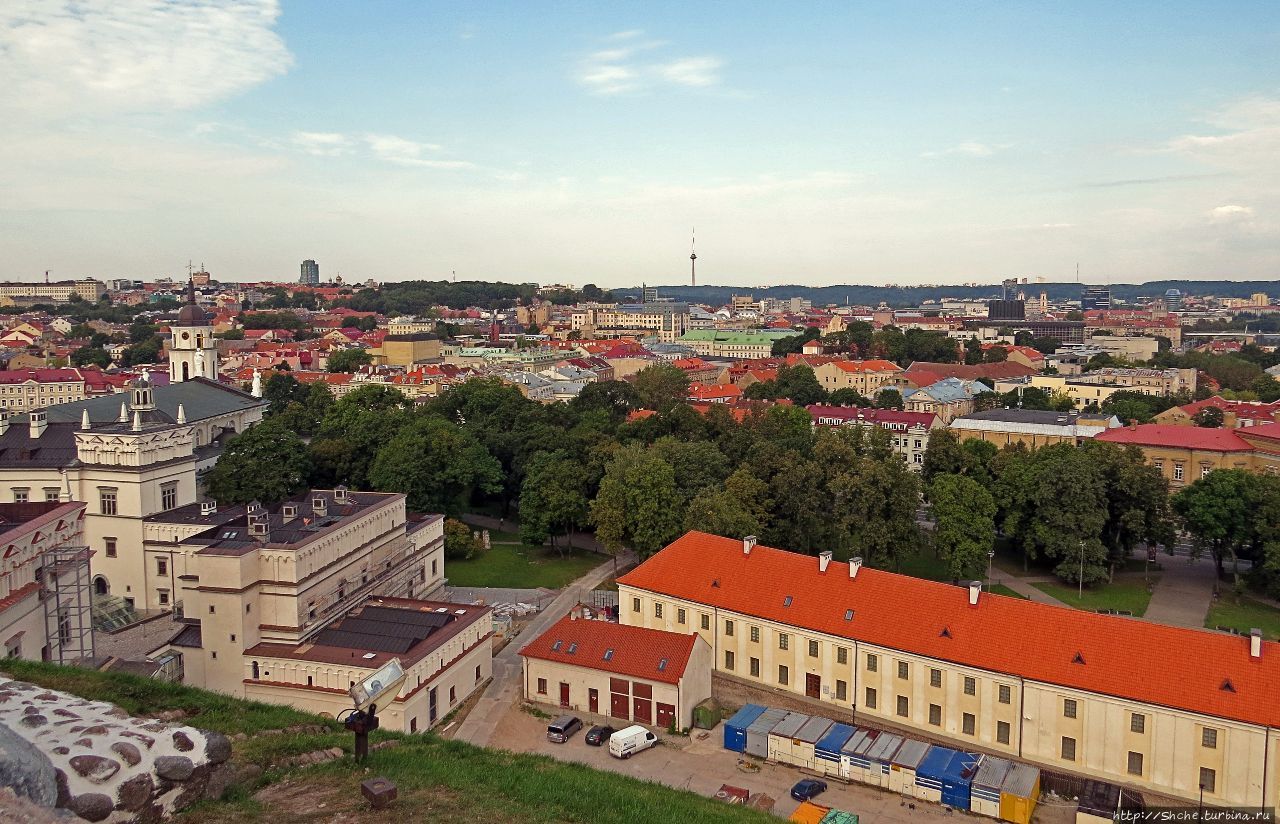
x=599, y=735
x=808, y=789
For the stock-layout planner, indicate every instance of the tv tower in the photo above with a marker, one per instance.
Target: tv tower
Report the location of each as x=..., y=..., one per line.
x=693, y=258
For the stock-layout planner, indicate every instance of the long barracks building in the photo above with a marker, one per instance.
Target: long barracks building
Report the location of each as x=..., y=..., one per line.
x=1159, y=708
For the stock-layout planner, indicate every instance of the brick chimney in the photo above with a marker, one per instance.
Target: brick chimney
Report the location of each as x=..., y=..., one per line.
x=975, y=587
x=1229, y=420
x=747, y=544
x=824, y=558
x=1133, y=424
x=855, y=564
x=1255, y=643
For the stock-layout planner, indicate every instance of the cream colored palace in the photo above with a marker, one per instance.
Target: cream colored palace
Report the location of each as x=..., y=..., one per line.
x=1162, y=709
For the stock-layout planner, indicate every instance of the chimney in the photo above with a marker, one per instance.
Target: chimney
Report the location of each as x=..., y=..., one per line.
x=340, y=494
x=1229, y=420
x=855, y=564
x=319, y=506
x=137, y=421
x=1275, y=416
x=1133, y=424
x=824, y=558
x=124, y=413
x=288, y=512
x=37, y=423
x=975, y=587
x=747, y=543
x=259, y=526
x=1255, y=643
x=4, y=421
x=84, y=421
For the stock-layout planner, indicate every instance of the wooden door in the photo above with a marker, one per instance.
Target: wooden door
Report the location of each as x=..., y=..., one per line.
x=564, y=694
x=813, y=685
x=642, y=711
x=618, y=705
x=593, y=700
x=666, y=714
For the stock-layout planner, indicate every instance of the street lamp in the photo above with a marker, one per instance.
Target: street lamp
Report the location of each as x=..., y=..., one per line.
x=1200, y=811
x=991, y=554
x=1080, y=596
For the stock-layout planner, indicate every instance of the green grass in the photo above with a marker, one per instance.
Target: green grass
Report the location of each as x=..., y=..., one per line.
x=1243, y=615
x=445, y=782
x=1001, y=589
x=1123, y=595
x=522, y=566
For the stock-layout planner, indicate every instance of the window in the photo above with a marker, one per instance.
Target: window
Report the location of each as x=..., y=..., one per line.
x=107, y=501
x=1068, y=749
x=970, y=685
x=873, y=663
x=1006, y=694
x=453, y=695
x=163, y=596
x=542, y=686
x=51, y=493
x=842, y=655
x=435, y=568
x=904, y=670
x=728, y=659
x=21, y=495
x=813, y=649
x=1135, y=763
x=1159, y=465
x=755, y=635
x=477, y=674
x=1002, y=732
x=935, y=677
x=657, y=610
x=842, y=690
x=162, y=566
x=1068, y=708
x=784, y=675
x=1138, y=723
x=1208, y=779
x=1204, y=471
x=680, y=615
x=904, y=706
x=1177, y=472
x=784, y=640
x=871, y=698
x=728, y=629
x=169, y=495
x=635, y=604
x=755, y=667
x=233, y=637
x=212, y=610
x=935, y=715
x=110, y=544
x=1209, y=738
x=968, y=724
x=706, y=622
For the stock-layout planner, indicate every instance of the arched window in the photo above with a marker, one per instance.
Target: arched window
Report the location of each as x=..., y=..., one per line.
x=100, y=586
x=255, y=670
x=186, y=371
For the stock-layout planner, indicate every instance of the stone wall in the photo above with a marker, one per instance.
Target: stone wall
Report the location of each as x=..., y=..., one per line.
x=94, y=759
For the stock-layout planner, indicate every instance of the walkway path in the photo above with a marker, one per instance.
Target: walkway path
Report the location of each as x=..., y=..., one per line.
x=505, y=688
x=1023, y=586
x=1184, y=593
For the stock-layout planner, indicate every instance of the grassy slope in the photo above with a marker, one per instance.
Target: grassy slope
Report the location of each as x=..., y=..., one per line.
x=438, y=781
x=520, y=566
x=1131, y=595
x=1244, y=616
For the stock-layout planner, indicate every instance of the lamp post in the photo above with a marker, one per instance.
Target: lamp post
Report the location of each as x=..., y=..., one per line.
x=991, y=554
x=1080, y=581
x=1200, y=809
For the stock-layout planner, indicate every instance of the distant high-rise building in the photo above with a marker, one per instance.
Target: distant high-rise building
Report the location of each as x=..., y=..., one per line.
x=1009, y=289
x=1095, y=297
x=310, y=273
x=1006, y=310
x=648, y=294
x=1173, y=300
x=1260, y=299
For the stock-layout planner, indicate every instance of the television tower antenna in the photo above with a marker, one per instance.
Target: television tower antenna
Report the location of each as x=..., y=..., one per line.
x=693, y=258
x=46, y=276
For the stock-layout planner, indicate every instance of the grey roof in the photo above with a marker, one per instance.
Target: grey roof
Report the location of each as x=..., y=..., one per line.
x=200, y=398
x=789, y=726
x=911, y=753
x=991, y=773
x=1035, y=416
x=814, y=729
x=56, y=446
x=1021, y=780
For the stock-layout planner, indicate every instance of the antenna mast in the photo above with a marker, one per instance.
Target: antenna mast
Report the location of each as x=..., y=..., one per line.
x=693, y=258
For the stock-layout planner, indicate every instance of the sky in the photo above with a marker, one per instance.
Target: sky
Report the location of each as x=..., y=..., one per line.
x=818, y=143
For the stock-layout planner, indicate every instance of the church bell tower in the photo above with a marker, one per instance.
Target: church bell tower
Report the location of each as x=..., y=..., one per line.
x=193, y=353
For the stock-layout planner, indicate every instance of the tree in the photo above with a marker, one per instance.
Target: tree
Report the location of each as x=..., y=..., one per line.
x=1046, y=345
x=889, y=398
x=437, y=464
x=1215, y=510
x=90, y=356
x=793, y=344
x=661, y=386
x=267, y=462
x=1060, y=497
x=638, y=503
x=1266, y=388
x=553, y=499
x=1210, y=417
x=1060, y=401
x=943, y=456
x=996, y=354
x=280, y=390
x=848, y=396
x=800, y=385
x=1028, y=397
x=460, y=543
x=873, y=505
x=964, y=524
x=736, y=511
x=349, y=360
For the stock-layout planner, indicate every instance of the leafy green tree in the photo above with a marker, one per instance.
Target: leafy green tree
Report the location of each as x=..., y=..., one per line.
x=90, y=356
x=964, y=524
x=697, y=464
x=267, y=462
x=737, y=510
x=638, y=503
x=1028, y=397
x=1060, y=401
x=1137, y=497
x=437, y=464
x=873, y=505
x=1266, y=388
x=349, y=360
x=793, y=344
x=1210, y=417
x=661, y=386
x=281, y=389
x=460, y=543
x=889, y=398
x=944, y=456
x=973, y=350
x=1216, y=511
x=615, y=397
x=797, y=383
x=848, y=396
x=996, y=354
x=553, y=499
x=1057, y=509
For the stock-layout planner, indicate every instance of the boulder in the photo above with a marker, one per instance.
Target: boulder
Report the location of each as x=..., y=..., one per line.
x=26, y=770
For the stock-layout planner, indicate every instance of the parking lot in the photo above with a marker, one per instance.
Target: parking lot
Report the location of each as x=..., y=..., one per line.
x=701, y=765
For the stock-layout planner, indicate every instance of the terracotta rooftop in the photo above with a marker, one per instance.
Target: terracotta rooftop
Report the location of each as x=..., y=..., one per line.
x=1177, y=437
x=602, y=645
x=1189, y=669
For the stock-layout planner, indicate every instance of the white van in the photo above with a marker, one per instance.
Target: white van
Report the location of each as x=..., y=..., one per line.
x=627, y=742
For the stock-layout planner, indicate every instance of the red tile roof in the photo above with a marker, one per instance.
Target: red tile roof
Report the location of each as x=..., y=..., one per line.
x=1125, y=657
x=1178, y=437
x=931, y=373
x=866, y=366
x=884, y=417
x=713, y=391
x=637, y=651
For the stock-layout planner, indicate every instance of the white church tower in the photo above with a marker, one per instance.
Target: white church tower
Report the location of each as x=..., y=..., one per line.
x=193, y=353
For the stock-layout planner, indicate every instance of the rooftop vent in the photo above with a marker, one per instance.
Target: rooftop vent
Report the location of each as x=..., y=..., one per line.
x=975, y=587
x=848, y=615
x=748, y=543
x=1227, y=686
x=786, y=602
x=608, y=654
x=340, y=494
x=289, y=511
x=946, y=633
x=1078, y=659
x=259, y=527
x=855, y=564
x=556, y=646
x=573, y=648
x=1255, y=643
x=319, y=505
x=824, y=559
x=662, y=665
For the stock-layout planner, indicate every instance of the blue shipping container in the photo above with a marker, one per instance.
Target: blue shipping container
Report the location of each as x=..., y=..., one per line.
x=828, y=749
x=735, y=729
x=931, y=771
x=957, y=778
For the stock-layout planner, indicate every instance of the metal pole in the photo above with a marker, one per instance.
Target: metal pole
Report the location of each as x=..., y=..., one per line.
x=1081, y=581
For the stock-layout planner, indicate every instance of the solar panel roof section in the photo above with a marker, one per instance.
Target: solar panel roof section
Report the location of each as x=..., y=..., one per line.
x=406, y=616
x=364, y=641
x=382, y=629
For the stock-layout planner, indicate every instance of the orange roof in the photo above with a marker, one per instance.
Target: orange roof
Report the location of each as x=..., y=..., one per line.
x=867, y=366
x=1211, y=673
x=707, y=391
x=633, y=651
x=1183, y=437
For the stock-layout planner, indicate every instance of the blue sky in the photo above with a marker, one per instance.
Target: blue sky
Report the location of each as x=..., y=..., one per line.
x=853, y=142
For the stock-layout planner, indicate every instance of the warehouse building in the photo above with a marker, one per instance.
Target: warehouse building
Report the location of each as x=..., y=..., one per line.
x=1159, y=708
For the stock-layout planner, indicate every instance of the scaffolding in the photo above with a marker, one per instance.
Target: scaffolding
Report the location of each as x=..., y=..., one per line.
x=66, y=594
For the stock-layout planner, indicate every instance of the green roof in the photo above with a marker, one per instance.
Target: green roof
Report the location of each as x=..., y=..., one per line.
x=717, y=336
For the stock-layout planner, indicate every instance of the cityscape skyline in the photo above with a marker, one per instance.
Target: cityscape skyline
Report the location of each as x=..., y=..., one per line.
x=849, y=145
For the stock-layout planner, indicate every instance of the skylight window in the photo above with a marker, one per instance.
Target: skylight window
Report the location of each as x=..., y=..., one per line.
x=608, y=654
x=556, y=646
x=786, y=602
x=662, y=665
x=848, y=615
x=573, y=648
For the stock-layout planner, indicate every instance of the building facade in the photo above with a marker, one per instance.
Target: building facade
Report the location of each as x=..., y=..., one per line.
x=23, y=390
x=310, y=273
x=1077, y=692
x=909, y=430
x=60, y=291
x=44, y=582
x=866, y=377
x=1030, y=427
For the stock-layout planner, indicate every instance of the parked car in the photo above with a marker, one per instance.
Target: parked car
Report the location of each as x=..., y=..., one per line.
x=627, y=742
x=563, y=728
x=808, y=789
x=599, y=735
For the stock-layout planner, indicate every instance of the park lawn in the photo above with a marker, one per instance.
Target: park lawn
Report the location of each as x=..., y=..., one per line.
x=1123, y=595
x=1243, y=615
x=522, y=567
x=1001, y=589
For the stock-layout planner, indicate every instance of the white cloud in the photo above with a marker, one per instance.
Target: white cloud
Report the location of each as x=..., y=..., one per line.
x=628, y=65
x=322, y=144
x=1249, y=137
x=404, y=152
x=70, y=57
x=968, y=149
x=1231, y=213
